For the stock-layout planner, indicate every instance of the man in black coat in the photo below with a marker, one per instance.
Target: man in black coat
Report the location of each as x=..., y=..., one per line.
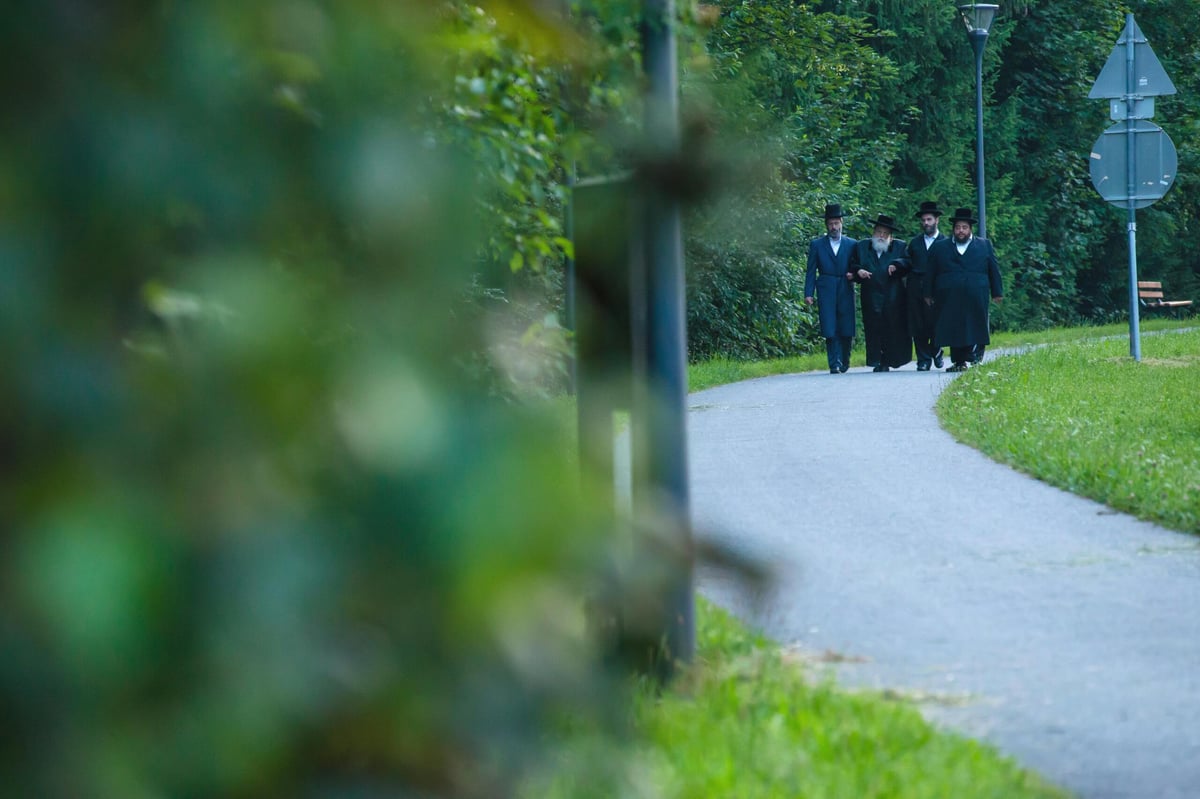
x=963, y=273
x=921, y=319
x=828, y=276
x=879, y=265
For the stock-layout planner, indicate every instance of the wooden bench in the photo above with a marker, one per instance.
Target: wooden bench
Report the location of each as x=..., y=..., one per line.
x=1150, y=297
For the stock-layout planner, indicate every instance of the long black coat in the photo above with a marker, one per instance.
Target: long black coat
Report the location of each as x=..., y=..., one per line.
x=826, y=274
x=883, y=297
x=920, y=314
x=961, y=286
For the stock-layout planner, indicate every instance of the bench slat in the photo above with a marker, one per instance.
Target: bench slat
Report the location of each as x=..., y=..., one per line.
x=1150, y=293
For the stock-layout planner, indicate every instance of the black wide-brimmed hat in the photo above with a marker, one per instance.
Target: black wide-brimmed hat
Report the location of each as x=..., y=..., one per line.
x=886, y=221
x=928, y=207
x=834, y=211
x=963, y=215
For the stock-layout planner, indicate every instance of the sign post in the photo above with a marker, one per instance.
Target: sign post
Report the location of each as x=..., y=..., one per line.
x=1133, y=163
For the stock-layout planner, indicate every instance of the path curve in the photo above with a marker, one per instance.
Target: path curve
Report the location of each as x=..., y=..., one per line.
x=1062, y=632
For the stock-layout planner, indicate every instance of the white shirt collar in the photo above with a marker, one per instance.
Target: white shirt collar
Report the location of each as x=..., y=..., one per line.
x=962, y=248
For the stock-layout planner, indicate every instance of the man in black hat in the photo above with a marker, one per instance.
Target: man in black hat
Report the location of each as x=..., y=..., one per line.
x=963, y=273
x=879, y=264
x=828, y=274
x=920, y=316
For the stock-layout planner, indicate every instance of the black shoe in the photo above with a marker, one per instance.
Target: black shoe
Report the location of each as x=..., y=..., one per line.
x=835, y=371
x=958, y=367
x=880, y=369
x=938, y=361
x=922, y=367
x=845, y=366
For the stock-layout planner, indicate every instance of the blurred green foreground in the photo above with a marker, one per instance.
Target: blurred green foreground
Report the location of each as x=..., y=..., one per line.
x=270, y=526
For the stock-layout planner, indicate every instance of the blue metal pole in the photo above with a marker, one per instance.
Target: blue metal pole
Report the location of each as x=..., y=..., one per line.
x=1135, y=333
x=978, y=41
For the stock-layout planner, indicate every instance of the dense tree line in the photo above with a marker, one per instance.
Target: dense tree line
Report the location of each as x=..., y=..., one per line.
x=901, y=129
x=865, y=102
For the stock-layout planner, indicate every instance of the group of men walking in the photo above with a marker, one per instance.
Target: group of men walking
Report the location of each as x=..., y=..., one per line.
x=926, y=294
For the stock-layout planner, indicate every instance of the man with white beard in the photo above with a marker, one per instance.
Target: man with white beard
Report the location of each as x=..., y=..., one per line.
x=879, y=265
x=963, y=272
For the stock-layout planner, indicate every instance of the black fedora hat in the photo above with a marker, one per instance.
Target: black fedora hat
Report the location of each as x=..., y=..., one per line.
x=883, y=220
x=928, y=207
x=963, y=215
x=834, y=211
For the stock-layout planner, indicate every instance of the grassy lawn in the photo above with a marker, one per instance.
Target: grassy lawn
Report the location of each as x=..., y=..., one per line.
x=745, y=722
x=1086, y=417
x=719, y=371
x=749, y=724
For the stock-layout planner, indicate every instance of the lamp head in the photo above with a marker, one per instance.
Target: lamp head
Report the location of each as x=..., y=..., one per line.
x=978, y=16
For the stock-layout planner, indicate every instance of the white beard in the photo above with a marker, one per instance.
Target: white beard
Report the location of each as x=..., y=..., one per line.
x=879, y=245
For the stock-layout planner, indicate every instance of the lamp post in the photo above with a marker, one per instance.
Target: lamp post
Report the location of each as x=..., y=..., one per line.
x=978, y=18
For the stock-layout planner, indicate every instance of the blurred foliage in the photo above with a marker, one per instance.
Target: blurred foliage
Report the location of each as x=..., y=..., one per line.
x=270, y=527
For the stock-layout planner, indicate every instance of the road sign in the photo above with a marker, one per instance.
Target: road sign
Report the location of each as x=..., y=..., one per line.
x=1155, y=162
x=1149, y=77
x=1133, y=163
x=1131, y=109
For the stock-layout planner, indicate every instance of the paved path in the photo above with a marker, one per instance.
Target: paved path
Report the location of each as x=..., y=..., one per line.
x=1064, y=633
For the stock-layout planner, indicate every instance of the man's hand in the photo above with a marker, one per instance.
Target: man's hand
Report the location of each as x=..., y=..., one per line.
x=808, y=300
x=997, y=300
x=929, y=301
x=891, y=269
x=863, y=274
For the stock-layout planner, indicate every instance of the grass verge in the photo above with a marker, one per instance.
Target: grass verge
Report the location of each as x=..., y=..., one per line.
x=746, y=722
x=720, y=371
x=1086, y=417
x=749, y=724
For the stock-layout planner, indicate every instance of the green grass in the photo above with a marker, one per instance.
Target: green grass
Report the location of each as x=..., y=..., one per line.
x=1063, y=335
x=1086, y=417
x=720, y=371
x=744, y=721
x=749, y=723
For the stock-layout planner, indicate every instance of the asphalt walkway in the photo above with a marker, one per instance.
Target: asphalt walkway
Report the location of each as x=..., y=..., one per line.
x=1062, y=632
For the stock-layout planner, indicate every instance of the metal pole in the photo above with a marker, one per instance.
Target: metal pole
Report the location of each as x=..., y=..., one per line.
x=1135, y=334
x=665, y=455
x=978, y=41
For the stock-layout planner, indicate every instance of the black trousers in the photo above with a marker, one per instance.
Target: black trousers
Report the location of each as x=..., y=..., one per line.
x=971, y=353
x=926, y=349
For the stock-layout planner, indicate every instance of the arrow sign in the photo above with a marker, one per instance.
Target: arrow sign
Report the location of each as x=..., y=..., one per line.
x=1149, y=77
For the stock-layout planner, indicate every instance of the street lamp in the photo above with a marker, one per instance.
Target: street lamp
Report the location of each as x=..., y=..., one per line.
x=978, y=18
